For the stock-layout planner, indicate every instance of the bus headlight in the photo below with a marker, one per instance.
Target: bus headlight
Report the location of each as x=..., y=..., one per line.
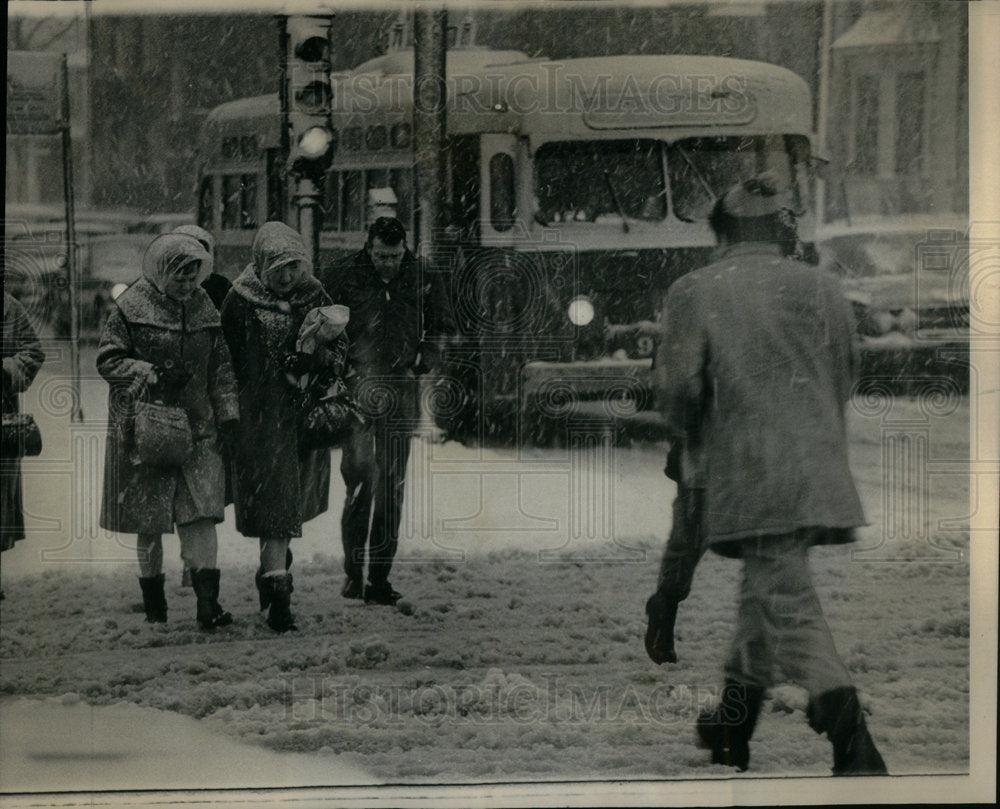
x=580, y=311
x=117, y=290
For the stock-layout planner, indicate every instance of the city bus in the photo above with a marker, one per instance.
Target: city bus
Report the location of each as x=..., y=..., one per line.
x=576, y=192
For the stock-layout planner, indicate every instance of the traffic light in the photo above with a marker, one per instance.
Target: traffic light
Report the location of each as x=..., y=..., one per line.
x=308, y=94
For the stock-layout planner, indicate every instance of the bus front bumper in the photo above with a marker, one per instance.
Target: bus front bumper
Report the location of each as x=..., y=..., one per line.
x=588, y=379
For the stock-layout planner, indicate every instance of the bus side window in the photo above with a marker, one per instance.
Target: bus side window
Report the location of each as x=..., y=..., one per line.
x=331, y=201
x=274, y=198
x=248, y=202
x=353, y=200
x=231, y=202
x=401, y=181
x=345, y=195
x=239, y=202
x=502, y=199
x=463, y=186
x=206, y=203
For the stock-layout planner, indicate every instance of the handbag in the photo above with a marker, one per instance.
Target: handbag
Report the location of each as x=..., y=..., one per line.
x=161, y=434
x=327, y=420
x=21, y=436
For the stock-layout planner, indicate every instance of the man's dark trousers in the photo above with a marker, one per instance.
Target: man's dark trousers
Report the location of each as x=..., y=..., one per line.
x=373, y=466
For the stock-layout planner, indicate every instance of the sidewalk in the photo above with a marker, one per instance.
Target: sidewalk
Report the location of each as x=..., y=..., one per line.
x=63, y=744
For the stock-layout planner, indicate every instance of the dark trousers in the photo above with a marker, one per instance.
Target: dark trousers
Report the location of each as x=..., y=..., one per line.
x=781, y=634
x=685, y=545
x=373, y=466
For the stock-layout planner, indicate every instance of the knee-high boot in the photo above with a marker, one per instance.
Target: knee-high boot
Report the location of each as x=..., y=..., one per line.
x=205, y=581
x=264, y=593
x=726, y=731
x=154, y=600
x=661, y=613
x=838, y=713
x=279, y=616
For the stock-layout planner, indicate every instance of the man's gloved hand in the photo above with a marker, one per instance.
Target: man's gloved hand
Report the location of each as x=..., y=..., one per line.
x=12, y=373
x=229, y=436
x=673, y=467
x=661, y=613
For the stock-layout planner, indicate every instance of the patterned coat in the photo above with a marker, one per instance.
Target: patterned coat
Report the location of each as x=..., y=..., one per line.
x=761, y=364
x=22, y=357
x=146, y=326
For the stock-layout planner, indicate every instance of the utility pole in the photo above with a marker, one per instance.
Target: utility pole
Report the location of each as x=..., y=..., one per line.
x=430, y=115
x=71, y=265
x=430, y=101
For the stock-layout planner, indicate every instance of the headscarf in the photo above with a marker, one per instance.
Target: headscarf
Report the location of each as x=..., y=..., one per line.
x=275, y=245
x=207, y=241
x=168, y=253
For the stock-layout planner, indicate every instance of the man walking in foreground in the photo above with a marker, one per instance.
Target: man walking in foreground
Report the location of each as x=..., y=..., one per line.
x=383, y=288
x=761, y=367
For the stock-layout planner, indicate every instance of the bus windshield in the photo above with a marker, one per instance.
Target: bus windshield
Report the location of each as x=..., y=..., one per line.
x=702, y=169
x=600, y=181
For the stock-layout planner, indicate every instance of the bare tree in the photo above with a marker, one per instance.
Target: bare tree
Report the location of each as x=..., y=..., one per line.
x=25, y=34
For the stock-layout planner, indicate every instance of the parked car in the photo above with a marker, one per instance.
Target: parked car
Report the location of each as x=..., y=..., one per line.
x=908, y=280
x=35, y=255
x=110, y=245
x=162, y=222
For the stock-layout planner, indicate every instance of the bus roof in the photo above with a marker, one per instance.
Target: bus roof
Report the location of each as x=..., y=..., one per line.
x=661, y=96
x=258, y=115
x=505, y=91
x=459, y=60
x=265, y=106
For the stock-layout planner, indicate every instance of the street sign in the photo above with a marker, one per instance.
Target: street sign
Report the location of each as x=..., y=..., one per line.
x=33, y=93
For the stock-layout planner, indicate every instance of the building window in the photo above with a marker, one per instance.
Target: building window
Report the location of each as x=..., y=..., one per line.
x=909, y=122
x=890, y=117
x=866, y=125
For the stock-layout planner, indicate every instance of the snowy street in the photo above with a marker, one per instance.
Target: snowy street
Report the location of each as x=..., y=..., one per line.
x=541, y=237
x=524, y=656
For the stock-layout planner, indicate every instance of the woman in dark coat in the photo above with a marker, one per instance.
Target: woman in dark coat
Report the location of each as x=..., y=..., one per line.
x=278, y=484
x=22, y=357
x=164, y=341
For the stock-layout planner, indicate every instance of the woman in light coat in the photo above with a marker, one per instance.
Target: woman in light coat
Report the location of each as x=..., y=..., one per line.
x=163, y=341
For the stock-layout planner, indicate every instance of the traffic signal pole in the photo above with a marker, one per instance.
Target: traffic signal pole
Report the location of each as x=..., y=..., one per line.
x=307, y=201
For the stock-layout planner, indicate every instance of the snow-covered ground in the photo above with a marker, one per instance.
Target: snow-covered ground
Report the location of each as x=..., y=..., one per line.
x=523, y=659
x=63, y=744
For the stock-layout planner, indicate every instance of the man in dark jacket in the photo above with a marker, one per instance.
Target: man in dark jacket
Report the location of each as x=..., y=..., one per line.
x=386, y=292
x=761, y=368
